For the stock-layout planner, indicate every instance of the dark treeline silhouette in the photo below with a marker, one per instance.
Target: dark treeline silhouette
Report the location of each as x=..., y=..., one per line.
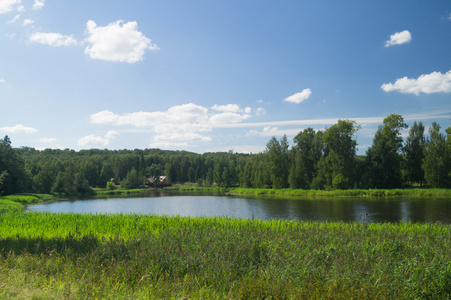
x=323, y=159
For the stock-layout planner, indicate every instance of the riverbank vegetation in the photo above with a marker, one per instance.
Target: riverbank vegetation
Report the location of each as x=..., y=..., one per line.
x=344, y=193
x=62, y=256
x=316, y=160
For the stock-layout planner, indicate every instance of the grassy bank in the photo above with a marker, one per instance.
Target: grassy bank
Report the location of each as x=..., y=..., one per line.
x=344, y=193
x=100, y=192
x=57, y=256
x=17, y=202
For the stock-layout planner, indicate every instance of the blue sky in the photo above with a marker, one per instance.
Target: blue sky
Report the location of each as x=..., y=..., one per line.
x=209, y=76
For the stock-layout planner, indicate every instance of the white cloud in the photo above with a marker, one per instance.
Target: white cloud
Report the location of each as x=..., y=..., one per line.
x=18, y=129
x=38, y=4
x=27, y=22
x=227, y=108
x=2, y=80
x=434, y=82
x=16, y=17
x=299, y=97
x=8, y=5
x=112, y=134
x=117, y=42
x=399, y=38
x=169, y=145
x=246, y=149
x=47, y=140
x=228, y=117
x=52, y=39
x=181, y=124
x=260, y=111
x=270, y=131
x=93, y=141
x=186, y=113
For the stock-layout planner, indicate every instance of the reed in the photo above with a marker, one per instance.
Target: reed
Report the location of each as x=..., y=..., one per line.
x=344, y=193
x=76, y=256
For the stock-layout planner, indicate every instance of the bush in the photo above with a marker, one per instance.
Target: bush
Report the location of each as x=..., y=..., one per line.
x=110, y=186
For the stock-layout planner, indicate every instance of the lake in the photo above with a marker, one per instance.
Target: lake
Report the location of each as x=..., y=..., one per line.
x=391, y=209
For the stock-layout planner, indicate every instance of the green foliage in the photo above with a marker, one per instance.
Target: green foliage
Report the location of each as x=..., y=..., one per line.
x=8, y=205
x=437, y=161
x=261, y=289
x=306, y=153
x=414, y=152
x=150, y=257
x=13, y=177
x=383, y=157
x=322, y=159
x=278, y=161
x=110, y=186
x=133, y=180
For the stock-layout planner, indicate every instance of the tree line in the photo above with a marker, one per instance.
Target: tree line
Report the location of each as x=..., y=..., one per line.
x=322, y=159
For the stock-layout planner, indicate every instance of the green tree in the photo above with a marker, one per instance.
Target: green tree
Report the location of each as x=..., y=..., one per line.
x=110, y=186
x=341, y=146
x=414, y=153
x=12, y=169
x=436, y=163
x=132, y=180
x=278, y=161
x=305, y=155
x=81, y=185
x=43, y=181
x=383, y=157
x=63, y=184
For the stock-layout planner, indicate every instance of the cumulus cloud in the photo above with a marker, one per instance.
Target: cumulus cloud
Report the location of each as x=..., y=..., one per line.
x=435, y=82
x=399, y=38
x=118, y=41
x=27, y=22
x=18, y=129
x=8, y=5
x=299, y=97
x=112, y=134
x=95, y=141
x=38, y=4
x=52, y=39
x=181, y=124
x=226, y=108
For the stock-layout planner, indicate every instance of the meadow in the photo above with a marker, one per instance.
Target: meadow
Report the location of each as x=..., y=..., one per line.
x=73, y=256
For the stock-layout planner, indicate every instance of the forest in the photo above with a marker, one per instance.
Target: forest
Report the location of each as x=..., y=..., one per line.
x=322, y=159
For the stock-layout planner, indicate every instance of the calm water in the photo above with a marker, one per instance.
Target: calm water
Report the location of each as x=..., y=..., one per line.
x=393, y=209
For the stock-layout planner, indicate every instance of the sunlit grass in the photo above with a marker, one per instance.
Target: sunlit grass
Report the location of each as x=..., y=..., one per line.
x=78, y=256
x=351, y=192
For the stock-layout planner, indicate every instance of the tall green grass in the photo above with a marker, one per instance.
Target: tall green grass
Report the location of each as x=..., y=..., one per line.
x=351, y=192
x=57, y=256
x=7, y=205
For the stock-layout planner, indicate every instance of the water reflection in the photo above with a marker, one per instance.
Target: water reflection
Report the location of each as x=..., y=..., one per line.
x=393, y=209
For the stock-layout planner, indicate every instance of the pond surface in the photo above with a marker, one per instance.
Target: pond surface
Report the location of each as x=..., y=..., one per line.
x=391, y=209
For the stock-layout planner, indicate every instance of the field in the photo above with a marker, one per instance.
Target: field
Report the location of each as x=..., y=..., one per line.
x=73, y=256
